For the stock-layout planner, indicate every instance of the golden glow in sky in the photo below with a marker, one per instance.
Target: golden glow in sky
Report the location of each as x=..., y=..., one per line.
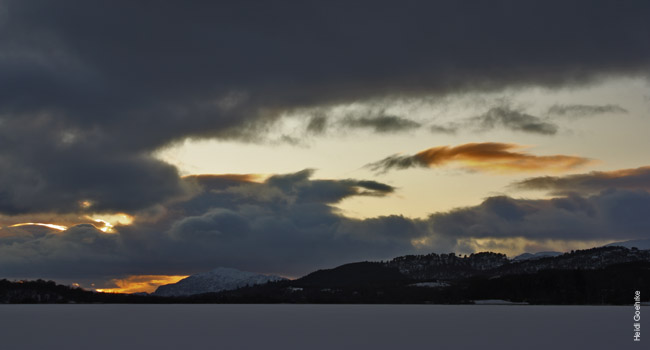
x=339, y=153
x=140, y=283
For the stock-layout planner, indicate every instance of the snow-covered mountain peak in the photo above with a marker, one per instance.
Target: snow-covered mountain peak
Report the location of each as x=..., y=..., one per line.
x=219, y=279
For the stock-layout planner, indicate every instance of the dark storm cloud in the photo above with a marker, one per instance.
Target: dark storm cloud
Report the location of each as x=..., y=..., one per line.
x=284, y=224
x=596, y=205
x=381, y=124
x=81, y=250
x=615, y=214
x=486, y=156
x=578, y=111
x=634, y=179
x=117, y=80
x=508, y=118
x=45, y=169
x=211, y=57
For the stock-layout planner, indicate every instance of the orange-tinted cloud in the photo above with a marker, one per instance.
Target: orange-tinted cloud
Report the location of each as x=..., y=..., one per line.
x=140, y=283
x=485, y=157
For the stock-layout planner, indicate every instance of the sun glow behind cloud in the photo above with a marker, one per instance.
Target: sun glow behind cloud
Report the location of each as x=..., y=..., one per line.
x=107, y=222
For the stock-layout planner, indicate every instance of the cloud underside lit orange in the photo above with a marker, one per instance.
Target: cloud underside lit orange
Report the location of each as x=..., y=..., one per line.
x=52, y=226
x=140, y=283
x=496, y=157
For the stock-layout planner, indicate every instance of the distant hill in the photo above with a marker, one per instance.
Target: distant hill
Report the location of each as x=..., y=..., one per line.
x=603, y=275
x=638, y=243
x=352, y=275
x=213, y=281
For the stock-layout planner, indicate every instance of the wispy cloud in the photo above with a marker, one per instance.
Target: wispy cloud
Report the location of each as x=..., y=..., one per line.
x=501, y=116
x=504, y=116
x=317, y=124
x=444, y=129
x=485, y=157
x=508, y=118
x=578, y=111
x=381, y=124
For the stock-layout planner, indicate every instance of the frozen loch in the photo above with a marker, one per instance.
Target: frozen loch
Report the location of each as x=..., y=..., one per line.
x=179, y=326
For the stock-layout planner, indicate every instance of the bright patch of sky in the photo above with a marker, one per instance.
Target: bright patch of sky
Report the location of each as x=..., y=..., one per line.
x=615, y=138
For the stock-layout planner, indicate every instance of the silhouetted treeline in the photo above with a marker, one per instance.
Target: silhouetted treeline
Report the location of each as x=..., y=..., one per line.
x=40, y=291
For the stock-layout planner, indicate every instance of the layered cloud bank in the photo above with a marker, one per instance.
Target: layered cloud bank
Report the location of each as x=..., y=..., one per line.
x=287, y=224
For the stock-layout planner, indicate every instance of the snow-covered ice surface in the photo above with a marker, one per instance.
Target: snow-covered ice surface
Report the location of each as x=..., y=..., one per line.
x=311, y=327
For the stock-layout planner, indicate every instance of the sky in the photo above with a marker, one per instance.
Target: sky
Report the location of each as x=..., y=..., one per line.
x=143, y=141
